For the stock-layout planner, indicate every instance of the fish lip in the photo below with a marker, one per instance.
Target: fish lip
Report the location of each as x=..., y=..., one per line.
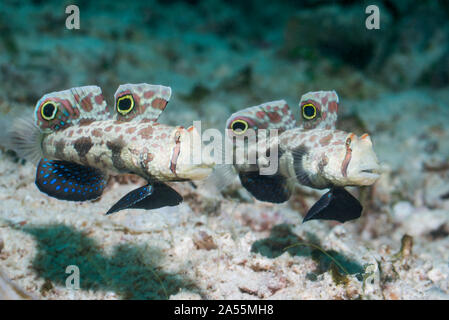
x=197, y=173
x=369, y=175
x=371, y=172
x=375, y=171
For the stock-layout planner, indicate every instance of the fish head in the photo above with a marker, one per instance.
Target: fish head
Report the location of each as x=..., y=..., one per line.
x=364, y=168
x=353, y=163
x=186, y=155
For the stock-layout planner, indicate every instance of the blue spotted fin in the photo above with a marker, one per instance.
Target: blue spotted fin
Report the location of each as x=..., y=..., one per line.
x=59, y=110
x=148, y=197
x=269, y=115
x=337, y=204
x=140, y=101
x=268, y=188
x=69, y=181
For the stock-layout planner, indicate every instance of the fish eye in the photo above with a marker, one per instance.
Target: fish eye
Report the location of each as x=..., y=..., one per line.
x=309, y=111
x=49, y=110
x=125, y=104
x=239, y=126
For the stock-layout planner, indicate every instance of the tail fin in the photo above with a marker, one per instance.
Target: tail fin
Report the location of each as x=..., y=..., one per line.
x=25, y=138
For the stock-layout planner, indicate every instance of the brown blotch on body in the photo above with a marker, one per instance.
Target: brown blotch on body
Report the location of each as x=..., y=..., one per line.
x=159, y=103
x=99, y=99
x=333, y=106
x=86, y=103
x=146, y=133
x=260, y=114
x=85, y=122
x=326, y=140
x=147, y=159
x=97, y=133
x=116, y=147
x=323, y=162
x=130, y=130
x=59, y=149
x=82, y=146
x=274, y=117
x=148, y=94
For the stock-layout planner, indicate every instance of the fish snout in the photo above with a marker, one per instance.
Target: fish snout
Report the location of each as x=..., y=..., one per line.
x=364, y=167
x=366, y=139
x=189, y=163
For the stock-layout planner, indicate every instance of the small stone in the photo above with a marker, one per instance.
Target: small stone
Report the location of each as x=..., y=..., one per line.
x=183, y=295
x=203, y=240
x=402, y=210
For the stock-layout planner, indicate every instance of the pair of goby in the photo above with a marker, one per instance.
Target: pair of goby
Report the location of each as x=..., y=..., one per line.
x=78, y=141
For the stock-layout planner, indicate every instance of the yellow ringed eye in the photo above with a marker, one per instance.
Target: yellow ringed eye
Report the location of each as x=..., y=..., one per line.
x=239, y=126
x=125, y=104
x=309, y=111
x=49, y=110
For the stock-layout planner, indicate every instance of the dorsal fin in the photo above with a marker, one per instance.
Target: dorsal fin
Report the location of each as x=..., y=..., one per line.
x=318, y=110
x=140, y=101
x=61, y=109
x=270, y=115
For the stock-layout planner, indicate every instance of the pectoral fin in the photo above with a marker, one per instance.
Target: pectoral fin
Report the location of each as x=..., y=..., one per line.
x=268, y=188
x=337, y=204
x=148, y=197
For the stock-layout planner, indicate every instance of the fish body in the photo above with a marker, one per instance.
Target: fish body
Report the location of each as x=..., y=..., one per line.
x=79, y=141
x=311, y=153
x=151, y=150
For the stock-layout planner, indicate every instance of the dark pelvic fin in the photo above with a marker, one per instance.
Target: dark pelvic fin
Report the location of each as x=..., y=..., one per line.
x=69, y=181
x=268, y=188
x=337, y=204
x=148, y=197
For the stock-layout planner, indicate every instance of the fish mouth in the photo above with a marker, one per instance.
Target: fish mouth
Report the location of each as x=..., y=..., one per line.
x=196, y=173
x=371, y=173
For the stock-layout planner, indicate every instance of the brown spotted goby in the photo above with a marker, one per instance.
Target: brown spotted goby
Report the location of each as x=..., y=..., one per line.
x=78, y=141
x=311, y=152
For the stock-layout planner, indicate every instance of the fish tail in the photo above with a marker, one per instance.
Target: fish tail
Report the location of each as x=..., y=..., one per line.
x=25, y=138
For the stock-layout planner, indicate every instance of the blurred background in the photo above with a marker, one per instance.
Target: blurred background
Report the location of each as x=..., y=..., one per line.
x=222, y=56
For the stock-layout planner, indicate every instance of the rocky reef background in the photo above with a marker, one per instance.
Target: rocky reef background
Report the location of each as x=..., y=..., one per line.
x=218, y=57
